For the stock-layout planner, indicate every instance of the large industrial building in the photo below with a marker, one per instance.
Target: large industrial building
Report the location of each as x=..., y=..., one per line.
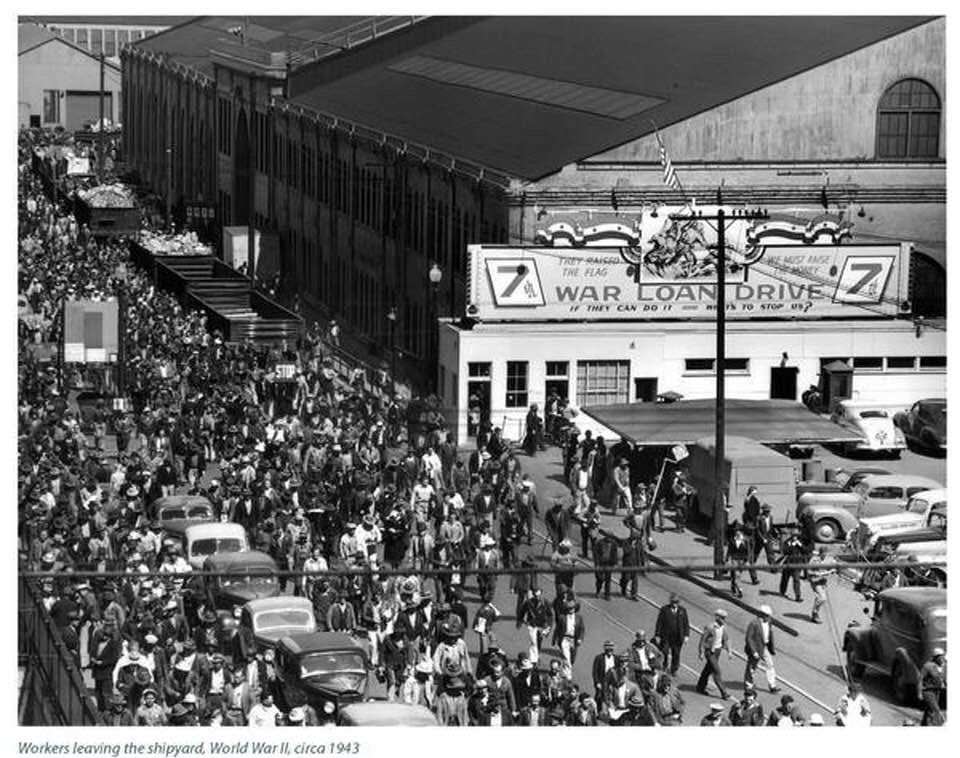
x=381, y=148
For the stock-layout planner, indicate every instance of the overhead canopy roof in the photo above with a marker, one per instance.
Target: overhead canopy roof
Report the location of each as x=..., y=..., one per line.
x=686, y=421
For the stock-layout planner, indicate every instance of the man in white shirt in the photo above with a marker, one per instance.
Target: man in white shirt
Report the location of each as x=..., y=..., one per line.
x=853, y=709
x=348, y=542
x=759, y=647
x=264, y=713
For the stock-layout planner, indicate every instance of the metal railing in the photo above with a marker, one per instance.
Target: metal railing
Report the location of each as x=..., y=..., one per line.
x=53, y=692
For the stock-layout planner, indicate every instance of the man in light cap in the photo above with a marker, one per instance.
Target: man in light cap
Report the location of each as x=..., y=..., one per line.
x=759, y=647
x=714, y=641
x=295, y=717
x=716, y=717
x=815, y=720
x=932, y=688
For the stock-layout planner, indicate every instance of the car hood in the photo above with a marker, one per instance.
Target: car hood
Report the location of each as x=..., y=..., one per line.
x=892, y=522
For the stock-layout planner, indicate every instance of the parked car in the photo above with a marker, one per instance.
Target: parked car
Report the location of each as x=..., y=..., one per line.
x=271, y=618
x=176, y=512
x=874, y=426
x=243, y=577
x=908, y=622
x=925, y=424
x=381, y=713
x=878, y=578
x=206, y=539
x=831, y=516
x=326, y=670
x=844, y=485
x=927, y=509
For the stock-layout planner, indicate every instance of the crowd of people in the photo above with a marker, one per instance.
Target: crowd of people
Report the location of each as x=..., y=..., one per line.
x=325, y=473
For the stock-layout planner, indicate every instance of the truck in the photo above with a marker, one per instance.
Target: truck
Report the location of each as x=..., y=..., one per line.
x=746, y=463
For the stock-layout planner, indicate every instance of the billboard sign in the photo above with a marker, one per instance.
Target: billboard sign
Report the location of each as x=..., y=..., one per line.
x=794, y=281
x=90, y=331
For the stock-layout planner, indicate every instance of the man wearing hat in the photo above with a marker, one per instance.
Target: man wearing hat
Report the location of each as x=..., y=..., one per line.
x=818, y=583
x=932, y=688
x=119, y=714
x=747, y=712
x=760, y=648
x=557, y=521
x=616, y=689
x=716, y=717
x=501, y=691
x=150, y=712
x=213, y=681
x=672, y=632
x=526, y=680
x=570, y=631
x=622, y=494
x=603, y=664
x=130, y=674
x=764, y=536
x=786, y=714
x=488, y=557
x=646, y=661
x=533, y=714
x=105, y=648
x=238, y=698
x=815, y=720
x=713, y=642
x=563, y=561
x=537, y=615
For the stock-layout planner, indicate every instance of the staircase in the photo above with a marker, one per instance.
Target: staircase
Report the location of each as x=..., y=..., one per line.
x=244, y=314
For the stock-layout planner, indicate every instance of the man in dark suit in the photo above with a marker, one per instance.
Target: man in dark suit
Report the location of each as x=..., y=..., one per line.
x=526, y=683
x=672, y=632
x=605, y=559
x=104, y=648
x=759, y=647
x=603, y=663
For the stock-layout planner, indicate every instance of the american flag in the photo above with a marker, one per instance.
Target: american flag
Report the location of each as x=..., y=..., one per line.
x=669, y=172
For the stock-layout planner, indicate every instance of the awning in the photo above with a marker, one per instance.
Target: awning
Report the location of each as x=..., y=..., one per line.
x=686, y=421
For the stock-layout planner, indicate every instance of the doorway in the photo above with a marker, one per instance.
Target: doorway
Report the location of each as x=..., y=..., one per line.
x=645, y=389
x=783, y=382
x=478, y=408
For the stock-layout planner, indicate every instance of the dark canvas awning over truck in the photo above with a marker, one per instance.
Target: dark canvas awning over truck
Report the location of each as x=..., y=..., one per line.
x=686, y=421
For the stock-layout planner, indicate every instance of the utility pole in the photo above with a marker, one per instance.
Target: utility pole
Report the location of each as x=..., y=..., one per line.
x=101, y=142
x=719, y=470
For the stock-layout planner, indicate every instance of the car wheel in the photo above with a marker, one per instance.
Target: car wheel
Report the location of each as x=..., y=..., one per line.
x=854, y=667
x=826, y=530
x=902, y=691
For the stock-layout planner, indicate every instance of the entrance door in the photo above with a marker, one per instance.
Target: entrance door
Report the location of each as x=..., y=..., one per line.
x=645, y=390
x=560, y=386
x=478, y=409
x=783, y=382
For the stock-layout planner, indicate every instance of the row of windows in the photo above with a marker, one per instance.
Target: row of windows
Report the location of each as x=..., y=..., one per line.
x=897, y=363
x=708, y=365
x=598, y=382
x=106, y=41
x=371, y=196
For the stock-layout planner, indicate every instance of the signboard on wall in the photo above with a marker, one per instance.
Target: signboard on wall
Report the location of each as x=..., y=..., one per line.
x=90, y=331
x=794, y=281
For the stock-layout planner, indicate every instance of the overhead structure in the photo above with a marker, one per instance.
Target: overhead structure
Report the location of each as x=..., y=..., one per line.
x=686, y=421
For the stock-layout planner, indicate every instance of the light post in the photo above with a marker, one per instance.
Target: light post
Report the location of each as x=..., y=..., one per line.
x=392, y=318
x=436, y=276
x=120, y=272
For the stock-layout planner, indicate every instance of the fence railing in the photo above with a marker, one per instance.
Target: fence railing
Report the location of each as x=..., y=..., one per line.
x=54, y=693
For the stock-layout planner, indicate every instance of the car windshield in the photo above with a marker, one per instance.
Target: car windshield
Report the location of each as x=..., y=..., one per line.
x=198, y=512
x=282, y=619
x=339, y=664
x=873, y=414
x=234, y=581
x=938, y=623
x=217, y=545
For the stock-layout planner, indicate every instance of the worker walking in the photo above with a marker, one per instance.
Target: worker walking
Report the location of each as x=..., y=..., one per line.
x=818, y=583
x=932, y=688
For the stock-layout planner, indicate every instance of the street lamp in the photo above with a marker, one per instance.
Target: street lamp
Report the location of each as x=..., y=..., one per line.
x=436, y=276
x=392, y=318
x=120, y=273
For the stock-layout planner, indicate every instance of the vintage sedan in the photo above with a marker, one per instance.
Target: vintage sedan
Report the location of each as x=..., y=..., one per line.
x=844, y=485
x=176, y=512
x=832, y=516
x=908, y=623
x=205, y=539
x=241, y=577
x=874, y=426
x=925, y=510
x=325, y=670
x=925, y=424
x=270, y=618
x=888, y=573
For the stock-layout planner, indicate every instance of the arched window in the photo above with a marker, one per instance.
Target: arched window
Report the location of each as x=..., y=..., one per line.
x=908, y=121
